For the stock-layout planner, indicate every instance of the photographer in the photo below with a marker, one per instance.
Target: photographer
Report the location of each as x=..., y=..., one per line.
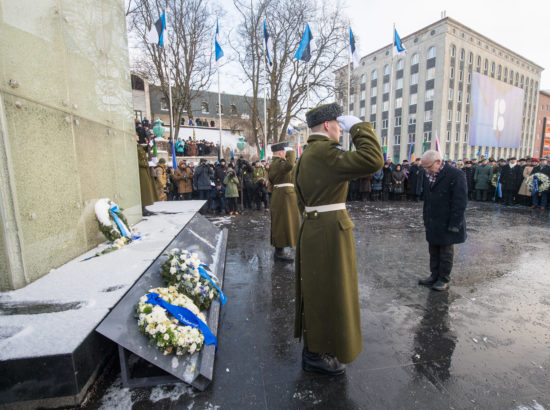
x=217, y=197
x=245, y=171
x=260, y=193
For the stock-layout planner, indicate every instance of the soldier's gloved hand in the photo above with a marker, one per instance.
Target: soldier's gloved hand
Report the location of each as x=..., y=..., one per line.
x=347, y=121
x=454, y=229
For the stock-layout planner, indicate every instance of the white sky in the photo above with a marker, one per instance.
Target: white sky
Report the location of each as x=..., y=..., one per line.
x=519, y=26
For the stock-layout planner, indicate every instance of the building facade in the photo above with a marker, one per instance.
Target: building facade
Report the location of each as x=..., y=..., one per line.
x=431, y=89
x=543, y=122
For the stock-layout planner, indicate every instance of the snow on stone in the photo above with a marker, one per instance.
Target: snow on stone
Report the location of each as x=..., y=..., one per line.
x=95, y=285
x=101, y=208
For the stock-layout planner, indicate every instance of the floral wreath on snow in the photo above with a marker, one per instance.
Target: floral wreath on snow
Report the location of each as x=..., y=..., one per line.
x=163, y=329
x=112, y=222
x=184, y=270
x=542, y=182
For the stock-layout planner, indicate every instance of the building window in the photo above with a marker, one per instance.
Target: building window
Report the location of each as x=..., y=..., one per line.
x=414, y=59
x=363, y=79
x=411, y=138
x=385, y=106
x=363, y=112
x=469, y=80
x=431, y=52
x=373, y=109
x=486, y=66
x=467, y=118
x=462, y=54
x=413, y=98
x=430, y=74
x=397, y=139
x=386, y=88
x=386, y=69
x=412, y=119
x=517, y=78
x=448, y=136
x=398, y=102
x=374, y=74
x=493, y=68
x=363, y=95
x=399, y=84
x=429, y=96
x=400, y=64
x=414, y=78
x=458, y=116
x=465, y=136
x=398, y=121
x=471, y=58
x=373, y=91
x=457, y=137
x=453, y=51
x=452, y=73
x=499, y=71
x=385, y=124
x=459, y=96
x=428, y=115
x=460, y=75
x=478, y=65
x=204, y=107
x=451, y=94
x=218, y=109
x=163, y=104
x=428, y=136
x=449, y=115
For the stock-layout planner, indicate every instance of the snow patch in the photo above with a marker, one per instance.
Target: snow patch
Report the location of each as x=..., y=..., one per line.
x=173, y=392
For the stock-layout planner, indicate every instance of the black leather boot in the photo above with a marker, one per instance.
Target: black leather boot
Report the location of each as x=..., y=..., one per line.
x=429, y=281
x=321, y=363
x=281, y=255
x=440, y=285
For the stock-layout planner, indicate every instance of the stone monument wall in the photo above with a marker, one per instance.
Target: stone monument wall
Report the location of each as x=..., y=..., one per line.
x=66, y=131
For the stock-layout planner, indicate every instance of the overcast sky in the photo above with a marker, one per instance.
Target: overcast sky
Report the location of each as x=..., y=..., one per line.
x=521, y=26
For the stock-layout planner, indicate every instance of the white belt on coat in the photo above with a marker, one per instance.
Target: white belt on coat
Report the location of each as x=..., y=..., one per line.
x=283, y=185
x=326, y=208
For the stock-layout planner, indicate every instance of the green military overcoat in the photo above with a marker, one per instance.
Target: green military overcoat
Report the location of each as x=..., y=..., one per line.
x=285, y=216
x=327, y=297
x=146, y=182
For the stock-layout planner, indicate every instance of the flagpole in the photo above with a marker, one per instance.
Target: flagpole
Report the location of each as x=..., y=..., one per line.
x=219, y=114
x=265, y=106
x=307, y=103
x=167, y=55
x=390, y=127
x=347, y=134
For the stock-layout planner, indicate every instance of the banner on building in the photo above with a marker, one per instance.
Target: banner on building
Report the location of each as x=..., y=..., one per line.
x=545, y=137
x=496, y=113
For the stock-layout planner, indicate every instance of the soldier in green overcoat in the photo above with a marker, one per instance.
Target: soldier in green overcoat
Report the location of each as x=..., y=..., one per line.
x=146, y=182
x=327, y=299
x=285, y=216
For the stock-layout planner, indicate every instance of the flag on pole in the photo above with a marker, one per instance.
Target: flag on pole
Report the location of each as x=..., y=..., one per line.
x=156, y=33
x=174, y=162
x=478, y=152
x=268, y=46
x=384, y=152
x=487, y=153
x=305, y=48
x=354, y=53
x=438, y=146
x=412, y=157
x=217, y=47
x=425, y=145
x=398, y=47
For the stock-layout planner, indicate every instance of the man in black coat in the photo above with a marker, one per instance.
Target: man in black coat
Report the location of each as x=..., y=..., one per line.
x=445, y=199
x=220, y=171
x=469, y=174
x=511, y=177
x=416, y=180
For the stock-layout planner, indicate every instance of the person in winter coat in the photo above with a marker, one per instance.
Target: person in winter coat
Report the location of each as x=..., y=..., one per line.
x=180, y=147
x=219, y=171
x=202, y=180
x=469, y=174
x=365, y=187
x=445, y=200
x=511, y=177
x=398, y=180
x=482, y=178
x=416, y=178
x=524, y=193
x=231, y=183
x=217, y=198
x=386, y=181
x=183, y=177
x=377, y=178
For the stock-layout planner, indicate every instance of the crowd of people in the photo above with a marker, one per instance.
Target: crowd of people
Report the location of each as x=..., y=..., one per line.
x=503, y=181
x=191, y=148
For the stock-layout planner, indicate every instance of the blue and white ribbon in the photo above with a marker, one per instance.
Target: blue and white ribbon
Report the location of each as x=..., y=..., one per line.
x=206, y=276
x=114, y=210
x=184, y=316
x=535, y=189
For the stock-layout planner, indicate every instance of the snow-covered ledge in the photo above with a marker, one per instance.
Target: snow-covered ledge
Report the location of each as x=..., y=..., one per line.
x=71, y=300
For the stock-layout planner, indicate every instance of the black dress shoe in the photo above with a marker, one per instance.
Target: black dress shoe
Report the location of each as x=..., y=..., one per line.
x=282, y=256
x=321, y=363
x=440, y=286
x=429, y=281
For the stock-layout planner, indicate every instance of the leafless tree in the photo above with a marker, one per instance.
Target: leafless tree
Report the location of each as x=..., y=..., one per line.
x=191, y=25
x=287, y=78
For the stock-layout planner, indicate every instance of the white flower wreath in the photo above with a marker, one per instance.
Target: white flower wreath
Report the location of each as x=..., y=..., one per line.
x=543, y=181
x=106, y=221
x=164, y=331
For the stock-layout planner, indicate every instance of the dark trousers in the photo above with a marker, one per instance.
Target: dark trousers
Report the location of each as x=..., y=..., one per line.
x=507, y=196
x=481, y=194
x=441, y=261
x=231, y=204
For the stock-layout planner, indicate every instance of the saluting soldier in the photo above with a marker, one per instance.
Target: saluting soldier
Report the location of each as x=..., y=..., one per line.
x=285, y=216
x=327, y=297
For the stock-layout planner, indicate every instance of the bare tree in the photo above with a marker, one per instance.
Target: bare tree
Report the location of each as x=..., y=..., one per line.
x=288, y=78
x=189, y=49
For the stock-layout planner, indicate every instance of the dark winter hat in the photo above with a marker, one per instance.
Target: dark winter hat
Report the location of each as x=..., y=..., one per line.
x=279, y=147
x=512, y=158
x=162, y=161
x=502, y=160
x=322, y=113
x=202, y=160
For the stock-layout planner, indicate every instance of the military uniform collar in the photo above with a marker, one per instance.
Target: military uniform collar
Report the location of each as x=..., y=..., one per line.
x=317, y=136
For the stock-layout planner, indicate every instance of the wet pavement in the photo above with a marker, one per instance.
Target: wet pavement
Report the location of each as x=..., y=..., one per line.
x=485, y=344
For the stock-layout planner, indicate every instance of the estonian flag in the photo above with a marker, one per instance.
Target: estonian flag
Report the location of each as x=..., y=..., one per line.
x=305, y=49
x=398, y=47
x=217, y=47
x=354, y=54
x=268, y=47
x=156, y=33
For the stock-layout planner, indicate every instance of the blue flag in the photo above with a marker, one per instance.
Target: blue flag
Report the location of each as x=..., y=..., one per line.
x=156, y=34
x=353, y=50
x=174, y=162
x=218, y=48
x=304, y=49
x=398, y=47
x=268, y=46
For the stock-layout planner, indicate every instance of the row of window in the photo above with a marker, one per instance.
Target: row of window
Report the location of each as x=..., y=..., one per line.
x=400, y=64
x=204, y=107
